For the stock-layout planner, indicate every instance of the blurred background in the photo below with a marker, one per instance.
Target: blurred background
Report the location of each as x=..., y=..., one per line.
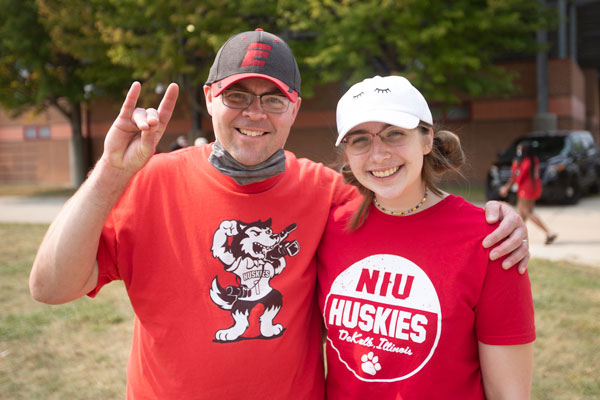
x=492, y=70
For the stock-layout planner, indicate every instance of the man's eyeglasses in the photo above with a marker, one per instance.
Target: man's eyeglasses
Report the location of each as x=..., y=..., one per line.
x=270, y=103
x=361, y=142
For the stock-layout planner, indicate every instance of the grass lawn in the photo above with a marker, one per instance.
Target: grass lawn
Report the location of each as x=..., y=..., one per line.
x=79, y=350
x=74, y=351
x=567, y=350
x=470, y=192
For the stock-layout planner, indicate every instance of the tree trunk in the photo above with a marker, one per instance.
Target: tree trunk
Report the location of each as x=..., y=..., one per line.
x=198, y=112
x=77, y=153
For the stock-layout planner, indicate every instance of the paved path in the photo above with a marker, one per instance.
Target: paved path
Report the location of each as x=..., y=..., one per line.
x=578, y=227
x=30, y=209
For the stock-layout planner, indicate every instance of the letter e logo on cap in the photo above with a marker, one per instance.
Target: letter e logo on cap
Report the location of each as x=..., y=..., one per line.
x=256, y=55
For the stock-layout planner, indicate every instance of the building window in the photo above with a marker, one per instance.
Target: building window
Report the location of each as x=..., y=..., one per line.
x=36, y=132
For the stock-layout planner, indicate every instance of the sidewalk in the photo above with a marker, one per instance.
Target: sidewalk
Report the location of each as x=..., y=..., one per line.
x=30, y=209
x=578, y=227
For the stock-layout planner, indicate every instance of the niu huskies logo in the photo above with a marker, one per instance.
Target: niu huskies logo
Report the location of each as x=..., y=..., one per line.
x=383, y=318
x=254, y=254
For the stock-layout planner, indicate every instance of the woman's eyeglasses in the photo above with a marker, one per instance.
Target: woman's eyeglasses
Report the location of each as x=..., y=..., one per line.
x=361, y=142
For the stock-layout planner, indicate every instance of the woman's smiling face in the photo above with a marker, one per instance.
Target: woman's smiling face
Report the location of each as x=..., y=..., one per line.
x=393, y=173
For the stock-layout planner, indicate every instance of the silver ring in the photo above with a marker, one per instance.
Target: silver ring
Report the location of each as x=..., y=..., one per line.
x=524, y=241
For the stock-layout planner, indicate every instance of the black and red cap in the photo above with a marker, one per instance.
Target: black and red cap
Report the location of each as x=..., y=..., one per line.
x=255, y=54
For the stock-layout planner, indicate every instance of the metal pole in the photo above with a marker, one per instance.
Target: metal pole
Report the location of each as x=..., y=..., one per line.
x=573, y=31
x=542, y=71
x=543, y=120
x=562, y=28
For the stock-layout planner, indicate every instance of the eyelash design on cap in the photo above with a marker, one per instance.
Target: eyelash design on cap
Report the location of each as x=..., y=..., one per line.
x=358, y=95
x=382, y=90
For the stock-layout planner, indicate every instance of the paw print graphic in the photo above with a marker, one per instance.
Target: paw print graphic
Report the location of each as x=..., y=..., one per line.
x=370, y=363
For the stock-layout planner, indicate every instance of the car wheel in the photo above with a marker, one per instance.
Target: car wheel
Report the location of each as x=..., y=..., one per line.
x=573, y=191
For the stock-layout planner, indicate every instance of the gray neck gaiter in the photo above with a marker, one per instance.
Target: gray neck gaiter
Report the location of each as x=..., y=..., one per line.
x=244, y=174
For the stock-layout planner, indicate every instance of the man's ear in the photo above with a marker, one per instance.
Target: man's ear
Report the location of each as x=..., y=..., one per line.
x=209, y=99
x=296, y=109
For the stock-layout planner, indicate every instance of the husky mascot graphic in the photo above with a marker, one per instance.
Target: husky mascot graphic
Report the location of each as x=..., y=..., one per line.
x=254, y=254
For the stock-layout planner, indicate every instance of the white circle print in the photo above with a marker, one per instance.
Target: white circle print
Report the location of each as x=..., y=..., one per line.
x=383, y=318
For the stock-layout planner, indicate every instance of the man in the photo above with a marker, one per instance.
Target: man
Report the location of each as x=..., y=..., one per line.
x=215, y=243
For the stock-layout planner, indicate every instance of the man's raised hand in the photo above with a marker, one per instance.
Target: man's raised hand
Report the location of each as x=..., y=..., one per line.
x=133, y=136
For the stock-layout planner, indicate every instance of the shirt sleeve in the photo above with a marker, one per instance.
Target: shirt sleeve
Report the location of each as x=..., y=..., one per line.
x=504, y=314
x=107, y=255
x=343, y=192
x=523, y=174
x=112, y=253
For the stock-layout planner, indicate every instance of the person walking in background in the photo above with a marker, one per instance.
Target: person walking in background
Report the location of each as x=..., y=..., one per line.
x=413, y=307
x=525, y=174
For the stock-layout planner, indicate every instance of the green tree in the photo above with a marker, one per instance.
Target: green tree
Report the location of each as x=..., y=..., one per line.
x=173, y=40
x=43, y=64
x=52, y=50
x=446, y=48
x=61, y=53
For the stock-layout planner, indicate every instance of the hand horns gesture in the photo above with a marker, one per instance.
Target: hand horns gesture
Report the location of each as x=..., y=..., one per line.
x=133, y=136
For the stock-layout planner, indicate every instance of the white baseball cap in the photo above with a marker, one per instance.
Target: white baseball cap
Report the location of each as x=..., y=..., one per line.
x=392, y=100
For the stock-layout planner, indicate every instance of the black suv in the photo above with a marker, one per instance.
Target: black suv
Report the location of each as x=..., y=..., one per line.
x=569, y=166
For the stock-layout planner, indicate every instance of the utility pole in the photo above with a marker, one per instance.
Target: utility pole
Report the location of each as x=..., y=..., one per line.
x=543, y=120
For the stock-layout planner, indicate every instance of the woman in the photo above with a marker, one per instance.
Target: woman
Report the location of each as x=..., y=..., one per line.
x=413, y=307
x=525, y=173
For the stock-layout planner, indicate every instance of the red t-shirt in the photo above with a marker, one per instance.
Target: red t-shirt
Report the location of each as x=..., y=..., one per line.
x=527, y=188
x=406, y=299
x=200, y=255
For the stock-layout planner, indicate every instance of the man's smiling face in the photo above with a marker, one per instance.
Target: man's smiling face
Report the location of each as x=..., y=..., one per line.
x=250, y=135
